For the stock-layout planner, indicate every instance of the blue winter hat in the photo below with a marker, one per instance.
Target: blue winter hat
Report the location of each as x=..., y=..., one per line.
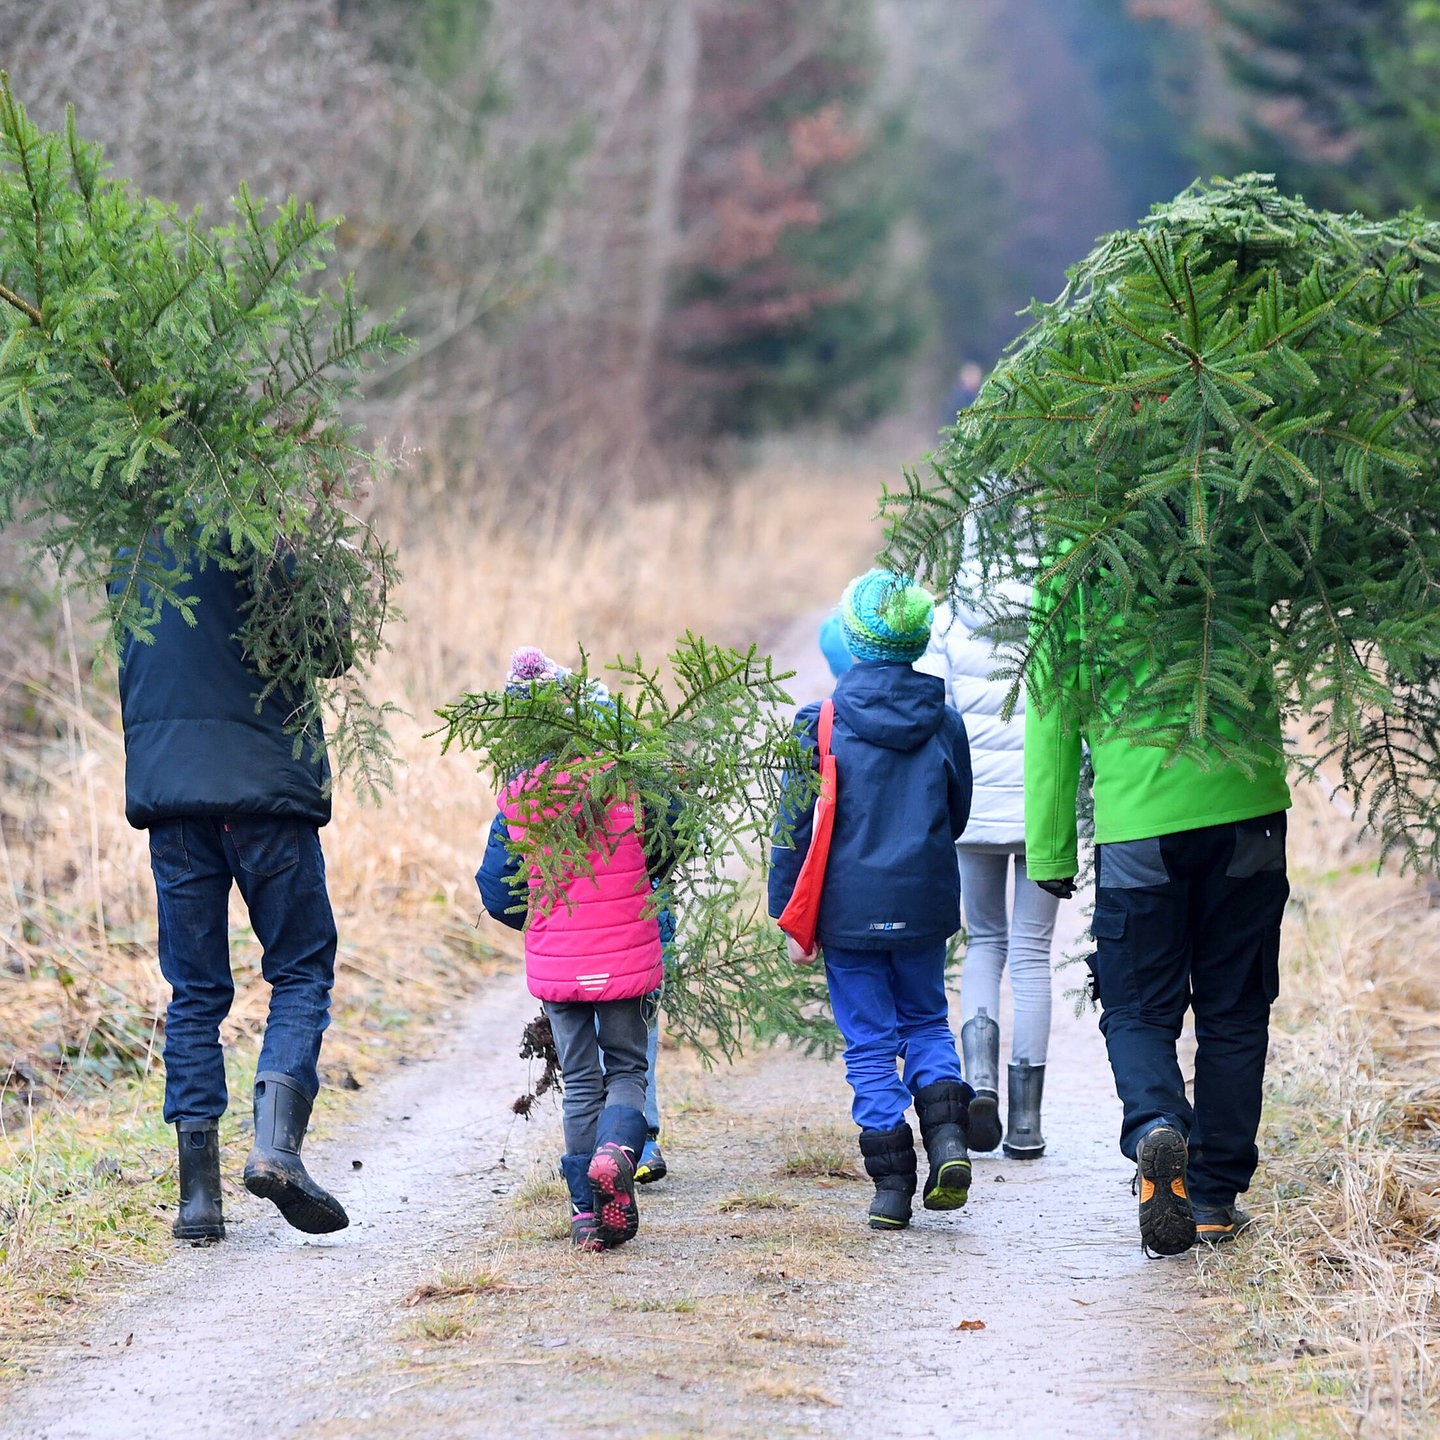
x=832, y=645
x=884, y=617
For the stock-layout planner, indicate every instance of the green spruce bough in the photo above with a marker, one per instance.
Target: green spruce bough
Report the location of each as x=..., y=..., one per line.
x=159, y=377
x=1224, y=436
x=704, y=759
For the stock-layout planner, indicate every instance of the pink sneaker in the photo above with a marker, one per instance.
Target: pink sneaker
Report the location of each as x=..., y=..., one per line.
x=612, y=1179
x=584, y=1233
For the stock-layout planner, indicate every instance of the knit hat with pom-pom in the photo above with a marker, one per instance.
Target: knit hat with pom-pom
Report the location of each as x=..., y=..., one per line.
x=530, y=665
x=884, y=617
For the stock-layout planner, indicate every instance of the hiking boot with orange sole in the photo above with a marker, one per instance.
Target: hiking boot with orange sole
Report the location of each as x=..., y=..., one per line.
x=1216, y=1224
x=1167, y=1219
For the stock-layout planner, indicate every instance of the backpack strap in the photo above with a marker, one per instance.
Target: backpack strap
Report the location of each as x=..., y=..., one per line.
x=827, y=725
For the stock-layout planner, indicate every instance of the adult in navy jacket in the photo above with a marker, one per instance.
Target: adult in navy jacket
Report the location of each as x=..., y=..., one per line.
x=891, y=897
x=218, y=783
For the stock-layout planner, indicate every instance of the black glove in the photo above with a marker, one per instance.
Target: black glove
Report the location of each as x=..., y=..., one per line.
x=1060, y=889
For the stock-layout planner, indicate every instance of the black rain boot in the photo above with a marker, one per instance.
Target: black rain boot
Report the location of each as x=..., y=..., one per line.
x=274, y=1170
x=619, y=1138
x=942, y=1110
x=200, y=1216
x=890, y=1162
x=1023, y=1140
x=583, y=1232
x=980, y=1045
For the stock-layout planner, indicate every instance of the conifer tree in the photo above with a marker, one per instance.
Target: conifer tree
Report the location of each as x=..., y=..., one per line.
x=794, y=299
x=1221, y=439
x=161, y=378
x=702, y=760
x=1337, y=97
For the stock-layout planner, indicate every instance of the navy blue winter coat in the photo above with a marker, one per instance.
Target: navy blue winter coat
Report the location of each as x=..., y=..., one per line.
x=902, y=799
x=194, y=742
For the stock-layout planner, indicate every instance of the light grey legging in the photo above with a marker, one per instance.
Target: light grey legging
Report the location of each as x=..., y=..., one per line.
x=1024, y=941
x=602, y=1058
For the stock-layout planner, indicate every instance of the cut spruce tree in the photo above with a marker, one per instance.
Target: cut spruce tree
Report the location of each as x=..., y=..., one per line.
x=702, y=758
x=158, y=378
x=1221, y=440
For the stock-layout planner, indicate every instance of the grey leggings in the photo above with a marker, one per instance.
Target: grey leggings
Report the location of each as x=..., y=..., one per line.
x=1024, y=940
x=602, y=1058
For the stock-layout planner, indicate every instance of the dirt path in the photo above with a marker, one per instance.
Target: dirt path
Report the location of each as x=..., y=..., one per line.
x=753, y=1302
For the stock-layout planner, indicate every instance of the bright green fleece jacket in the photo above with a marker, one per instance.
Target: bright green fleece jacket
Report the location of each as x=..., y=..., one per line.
x=1140, y=790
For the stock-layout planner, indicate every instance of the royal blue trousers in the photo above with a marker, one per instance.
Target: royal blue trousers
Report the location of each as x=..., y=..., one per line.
x=279, y=867
x=890, y=1005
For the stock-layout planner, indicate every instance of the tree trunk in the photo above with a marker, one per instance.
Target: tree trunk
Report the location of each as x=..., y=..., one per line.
x=680, y=61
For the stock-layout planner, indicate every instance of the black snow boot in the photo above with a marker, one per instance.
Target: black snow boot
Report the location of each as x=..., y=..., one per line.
x=1023, y=1140
x=942, y=1110
x=274, y=1170
x=980, y=1045
x=890, y=1162
x=199, y=1217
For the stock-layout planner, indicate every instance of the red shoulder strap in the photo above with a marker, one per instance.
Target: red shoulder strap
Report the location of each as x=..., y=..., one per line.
x=827, y=724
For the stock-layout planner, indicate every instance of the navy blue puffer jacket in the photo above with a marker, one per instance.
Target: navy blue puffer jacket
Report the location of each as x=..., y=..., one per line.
x=194, y=742
x=903, y=796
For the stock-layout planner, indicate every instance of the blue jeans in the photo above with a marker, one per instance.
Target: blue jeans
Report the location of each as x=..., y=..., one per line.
x=279, y=867
x=889, y=1005
x=652, y=1095
x=651, y=1011
x=1192, y=920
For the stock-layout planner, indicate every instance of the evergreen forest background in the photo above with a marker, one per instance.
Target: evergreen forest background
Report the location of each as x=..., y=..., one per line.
x=637, y=230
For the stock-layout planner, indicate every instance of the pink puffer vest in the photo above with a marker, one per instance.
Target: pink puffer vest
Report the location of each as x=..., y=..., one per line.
x=599, y=943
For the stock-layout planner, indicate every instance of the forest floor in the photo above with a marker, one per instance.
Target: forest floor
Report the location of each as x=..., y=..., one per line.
x=754, y=1300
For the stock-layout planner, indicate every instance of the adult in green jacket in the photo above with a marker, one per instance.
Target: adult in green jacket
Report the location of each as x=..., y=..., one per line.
x=1190, y=891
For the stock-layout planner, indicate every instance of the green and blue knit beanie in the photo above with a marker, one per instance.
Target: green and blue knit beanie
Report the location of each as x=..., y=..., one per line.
x=884, y=617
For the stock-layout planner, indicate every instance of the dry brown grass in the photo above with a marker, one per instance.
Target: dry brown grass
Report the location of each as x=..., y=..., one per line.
x=1340, y=1284
x=820, y=1151
x=81, y=998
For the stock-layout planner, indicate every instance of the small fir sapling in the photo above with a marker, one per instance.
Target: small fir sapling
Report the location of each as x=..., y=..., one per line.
x=702, y=759
x=161, y=378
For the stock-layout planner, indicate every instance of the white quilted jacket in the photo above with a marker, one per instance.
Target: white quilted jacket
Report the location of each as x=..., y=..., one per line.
x=964, y=663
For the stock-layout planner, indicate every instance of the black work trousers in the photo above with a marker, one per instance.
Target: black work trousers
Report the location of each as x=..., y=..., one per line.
x=1192, y=920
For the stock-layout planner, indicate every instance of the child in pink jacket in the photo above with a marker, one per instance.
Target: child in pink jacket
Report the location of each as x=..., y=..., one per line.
x=591, y=957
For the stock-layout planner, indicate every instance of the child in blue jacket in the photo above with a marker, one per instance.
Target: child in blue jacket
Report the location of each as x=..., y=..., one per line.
x=891, y=897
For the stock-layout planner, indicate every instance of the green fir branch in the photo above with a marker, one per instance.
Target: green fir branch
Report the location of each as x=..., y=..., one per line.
x=702, y=759
x=1222, y=437
x=136, y=401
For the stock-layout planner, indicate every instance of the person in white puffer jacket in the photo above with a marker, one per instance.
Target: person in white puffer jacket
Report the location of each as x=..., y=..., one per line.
x=993, y=844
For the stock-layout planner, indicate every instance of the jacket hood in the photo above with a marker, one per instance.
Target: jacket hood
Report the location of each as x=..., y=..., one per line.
x=887, y=703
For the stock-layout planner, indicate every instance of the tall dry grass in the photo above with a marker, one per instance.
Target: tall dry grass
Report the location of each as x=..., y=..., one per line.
x=1336, y=1325
x=1337, y=1291
x=81, y=998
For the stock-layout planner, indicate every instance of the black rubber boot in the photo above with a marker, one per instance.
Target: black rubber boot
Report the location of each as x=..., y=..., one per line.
x=942, y=1110
x=980, y=1046
x=274, y=1170
x=890, y=1162
x=199, y=1217
x=1023, y=1140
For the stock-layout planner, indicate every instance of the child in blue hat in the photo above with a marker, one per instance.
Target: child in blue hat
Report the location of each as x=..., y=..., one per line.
x=891, y=896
